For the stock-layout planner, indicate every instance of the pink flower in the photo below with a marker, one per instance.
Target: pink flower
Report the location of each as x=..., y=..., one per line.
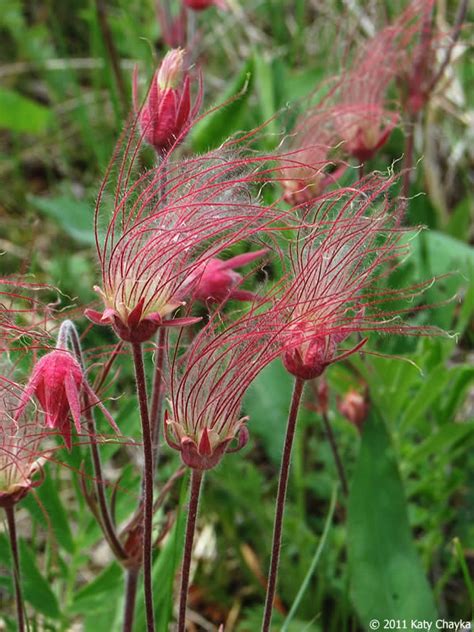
x=308, y=168
x=20, y=454
x=172, y=28
x=361, y=118
x=344, y=247
x=200, y=5
x=217, y=280
x=206, y=391
x=159, y=236
x=424, y=51
x=57, y=381
x=167, y=114
x=354, y=406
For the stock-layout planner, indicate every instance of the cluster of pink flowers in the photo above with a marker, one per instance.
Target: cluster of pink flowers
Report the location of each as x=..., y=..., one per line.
x=167, y=238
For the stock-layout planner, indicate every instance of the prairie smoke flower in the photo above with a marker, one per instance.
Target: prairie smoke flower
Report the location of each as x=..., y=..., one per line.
x=354, y=406
x=160, y=235
x=217, y=281
x=200, y=5
x=206, y=389
x=305, y=173
x=20, y=456
x=57, y=381
x=360, y=117
x=173, y=28
x=168, y=112
x=424, y=52
x=334, y=265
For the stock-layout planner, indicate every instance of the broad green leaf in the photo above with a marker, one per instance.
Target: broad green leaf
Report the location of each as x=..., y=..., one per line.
x=76, y=217
x=36, y=588
x=425, y=396
x=91, y=597
x=387, y=579
x=20, y=114
x=52, y=505
x=460, y=220
x=216, y=127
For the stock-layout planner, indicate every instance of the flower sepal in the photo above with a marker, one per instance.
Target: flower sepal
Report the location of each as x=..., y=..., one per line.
x=205, y=450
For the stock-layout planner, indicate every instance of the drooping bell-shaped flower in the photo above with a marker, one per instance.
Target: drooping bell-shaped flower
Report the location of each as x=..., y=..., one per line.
x=354, y=406
x=168, y=111
x=57, y=382
x=217, y=280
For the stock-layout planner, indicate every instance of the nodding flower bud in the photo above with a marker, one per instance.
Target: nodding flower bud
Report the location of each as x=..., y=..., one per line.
x=167, y=113
x=355, y=407
x=217, y=281
x=200, y=5
x=311, y=354
x=57, y=382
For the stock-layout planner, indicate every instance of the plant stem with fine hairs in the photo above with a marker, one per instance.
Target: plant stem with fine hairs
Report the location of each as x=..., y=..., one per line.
x=157, y=395
x=147, y=483
x=335, y=452
x=68, y=335
x=280, y=503
x=196, y=481
x=10, y=512
x=106, y=518
x=130, y=597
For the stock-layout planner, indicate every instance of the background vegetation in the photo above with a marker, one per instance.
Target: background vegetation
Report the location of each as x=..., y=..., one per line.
x=403, y=545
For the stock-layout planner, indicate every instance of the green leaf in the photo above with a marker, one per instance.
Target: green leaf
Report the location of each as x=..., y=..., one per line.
x=49, y=498
x=387, y=579
x=267, y=402
x=216, y=127
x=91, y=597
x=76, y=217
x=20, y=114
x=425, y=396
x=460, y=219
x=36, y=589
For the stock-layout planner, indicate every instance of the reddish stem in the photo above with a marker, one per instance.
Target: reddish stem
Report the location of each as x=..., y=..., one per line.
x=147, y=483
x=106, y=519
x=10, y=512
x=157, y=395
x=68, y=334
x=335, y=452
x=112, y=52
x=196, y=480
x=130, y=598
x=280, y=503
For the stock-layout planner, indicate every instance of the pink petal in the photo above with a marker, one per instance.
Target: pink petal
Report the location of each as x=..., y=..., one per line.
x=72, y=394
